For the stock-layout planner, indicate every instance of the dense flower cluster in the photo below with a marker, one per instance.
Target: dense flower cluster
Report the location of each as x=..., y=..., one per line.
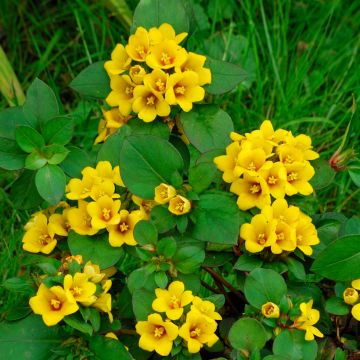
x=196, y=328
x=351, y=297
x=88, y=287
x=153, y=72
x=267, y=163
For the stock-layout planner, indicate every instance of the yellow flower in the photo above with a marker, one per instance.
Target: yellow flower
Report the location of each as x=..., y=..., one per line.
x=285, y=238
x=275, y=177
x=144, y=205
x=356, y=284
x=53, y=304
x=195, y=62
x=123, y=232
x=80, y=220
x=157, y=81
x=138, y=45
x=205, y=307
x=93, y=272
x=40, y=237
x=289, y=154
x=137, y=74
x=307, y=319
x=270, y=310
x=103, y=132
x=103, y=302
x=280, y=211
x=179, y=205
x=165, y=32
x=163, y=193
x=80, y=287
x=183, y=89
x=355, y=312
x=149, y=104
x=165, y=55
x=59, y=224
x=121, y=94
x=298, y=175
x=253, y=191
x=306, y=234
x=104, y=212
x=350, y=296
x=119, y=62
x=226, y=163
x=80, y=189
x=70, y=259
x=156, y=334
x=260, y=233
x=197, y=331
x=104, y=171
x=111, y=335
x=106, y=187
x=251, y=161
x=303, y=143
x=173, y=300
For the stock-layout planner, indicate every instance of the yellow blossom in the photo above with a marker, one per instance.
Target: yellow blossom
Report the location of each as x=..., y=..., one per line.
x=53, y=304
x=69, y=259
x=149, y=104
x=280, y=211
x=298, y=175
x=123, y=232
x=351, y=296
x=307, y=319
x=103, y=302
x=289, y=154
x=144, y=205
x=179, y=205
x=138, y=45
x=137, y=73
x=40, y=237
x=356, y=284
x=59, y=223
x=260, y=233
x=105, y=171
x=106, y=187
x=104, y=212
x=306, y=234
x=163, y=193
x=275, y=177
x=156, y=334
x=183, y=89
x=80, y=189
x=119, y=62
x=157, y=81
x=80, y=287
x=93, y=272
x=251, y=161
x=173, y=300
x=303, y=143
x=165, y=55
x=165, y=32
x=111, y=335
x=122, y=93
x=197, y=331
x=285, y=238
x=253, y=191
x=270, y=310
x=80, y=220
x=205, y=307
x=355, y=311
x=226, y=163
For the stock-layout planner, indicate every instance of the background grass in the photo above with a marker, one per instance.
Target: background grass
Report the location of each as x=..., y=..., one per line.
x=302, y=57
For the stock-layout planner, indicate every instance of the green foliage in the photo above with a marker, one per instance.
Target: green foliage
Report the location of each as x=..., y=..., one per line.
x=105, y=348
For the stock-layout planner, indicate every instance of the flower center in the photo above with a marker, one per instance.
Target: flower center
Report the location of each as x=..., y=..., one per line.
x=261, y=239
x=174, y=302
x=86, y=220
x=251, y=166
x=106, y=213
x=180, y=206
x=150, y=100
x=141, y=51
x=85, y=190
x=280, y=236
x=77, y=291
x=160, y=85
x=269, y=310
x=292, y=176
x=299, y=239
x=55, y=304
x=195, y=332
x=349, y=292
x=180, y=90
x=254, y=189
x=123, y=227
x=159, y=331
x=44, y=239
x=289, y=159
x=129, y=90
x=272, y=180
x=165, y=58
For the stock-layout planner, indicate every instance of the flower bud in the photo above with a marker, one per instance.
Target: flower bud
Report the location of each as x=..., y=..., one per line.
x=163, y=193
x=270, y=310
x=350, y=296
x=179, y=205
x=339, y=160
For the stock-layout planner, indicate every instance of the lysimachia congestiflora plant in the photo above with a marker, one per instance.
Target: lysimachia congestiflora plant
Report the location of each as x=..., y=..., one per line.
x=176, y=236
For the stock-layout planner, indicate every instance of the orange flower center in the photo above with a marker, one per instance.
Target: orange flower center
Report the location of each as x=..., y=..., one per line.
x=292, y=176
x=280, y=236
x=349, y=292
x=272, y=180
x=141, y=51
x=180, y=90
x=159, y=331
x=150, y=100
x=195, y=332
x=55, y=304
x=44, y=239
x=76, y=290
x=106, y=213
x=254, y=189
x=86, y=220
x=174, y=302
x=179, y=206
x=165, y=59
x=269, y=309
x=289, y=159
x=251, y=166
x=160, y=85
x=129, y=90
x=261, y=239
x=123, y=227
x=164, y=193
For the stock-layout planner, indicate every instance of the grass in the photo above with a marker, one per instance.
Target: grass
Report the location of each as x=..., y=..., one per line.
x=302, y=56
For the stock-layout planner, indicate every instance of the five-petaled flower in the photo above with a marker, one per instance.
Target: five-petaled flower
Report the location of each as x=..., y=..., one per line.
x=270, y=310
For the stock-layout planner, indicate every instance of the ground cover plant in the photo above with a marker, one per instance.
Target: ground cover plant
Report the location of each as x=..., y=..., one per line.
x=180, y=181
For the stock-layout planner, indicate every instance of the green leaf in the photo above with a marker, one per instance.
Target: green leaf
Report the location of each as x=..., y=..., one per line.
x=293, y=344
x=217, y=258
x=11, y=156
x=324, y=174
x=145, y=233
x=188, y=259
x=108, y=349
x=166, y=246
x=76, y=322
x=92, y=82
x=264, y=285
x=95, y=248
x=24, y=194
x=161, y=279
x=58, y=130
x=207, y=127
x=247, y=262
x=34, y=161
x=142, y=303
x=55, y=153
x=153, y=13
x=340, y=260
x=41, y=104
x=19, y=285
x=137, y=279
x=296, y=268
x=247, y=334
x=201, y=176
x=29, y=339
x=28, y=139
x=75, y=162
x=350, y=227
x=354, y=172
x=336, y=306
x=224, y=76
x=216, y=218
x=155, y=128
x=50, y=182
x=146, y=162
x=162, y=218
x=217, y=299
x=10, y=119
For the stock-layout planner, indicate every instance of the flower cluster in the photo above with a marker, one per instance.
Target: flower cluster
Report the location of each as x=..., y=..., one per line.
x=153, y=72
x=351, y=297
x=86, y=288
x=267, y=163
x=178, y=205
x=196, y=328
x=281, y=228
